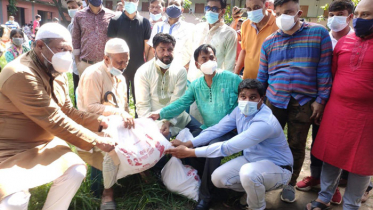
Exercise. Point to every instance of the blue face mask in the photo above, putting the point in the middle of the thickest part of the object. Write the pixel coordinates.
(255, 16)
(95, 3)
(248, 108)
(173, 11)
(363, 27)
(212, 17)
(155, 17)
(115, 72)
(130, 7)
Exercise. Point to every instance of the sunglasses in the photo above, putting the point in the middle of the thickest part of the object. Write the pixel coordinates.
(212, 9)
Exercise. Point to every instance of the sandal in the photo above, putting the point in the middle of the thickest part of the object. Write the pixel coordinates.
(316, 204)
(108, 206)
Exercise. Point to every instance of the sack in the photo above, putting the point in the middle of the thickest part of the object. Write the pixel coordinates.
(179, 178)
(138, 149)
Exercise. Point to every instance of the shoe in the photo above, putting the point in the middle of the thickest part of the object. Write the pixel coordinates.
(288, 194)
(202, 205)
(365, 197)
(337, 197)
(307, 183)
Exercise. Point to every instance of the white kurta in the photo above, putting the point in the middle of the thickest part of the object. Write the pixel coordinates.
(155, 90)
(220, 36)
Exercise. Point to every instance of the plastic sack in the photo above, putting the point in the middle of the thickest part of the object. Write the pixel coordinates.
(179, 178)
(138, 149)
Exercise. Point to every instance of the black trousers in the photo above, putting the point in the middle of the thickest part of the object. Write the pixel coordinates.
(76, 82)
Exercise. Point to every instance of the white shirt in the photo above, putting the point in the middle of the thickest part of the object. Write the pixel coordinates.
(182, 32)
(220, 36)
(334, 41)
(155, 90)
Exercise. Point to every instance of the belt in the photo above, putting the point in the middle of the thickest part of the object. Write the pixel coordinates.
(90, 62)
(289, 168)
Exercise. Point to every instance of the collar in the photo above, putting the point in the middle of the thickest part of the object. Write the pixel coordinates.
(305, 25)
(159, 70)
(177, 23)
(137, 16)
(217, 26)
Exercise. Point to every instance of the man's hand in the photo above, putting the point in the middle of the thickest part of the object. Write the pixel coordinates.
(317, 112)
(165, 129)
(105, 144)
(154, 116)
(237, 12)
(181, 152)
(177, 143)
(129, 122)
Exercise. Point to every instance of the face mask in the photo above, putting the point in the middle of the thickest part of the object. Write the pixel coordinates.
(209, 67)
(248, 108)
(212, 17)
(96, 3)
(155, 17)
(130, 7)
(363, 27)
(72, 12)
(285, 22)
(255, 16)
(11, 21)
(115, 72)
(173, 11)
(61, 61)
(337, 23)
(162, 65)
(17, 41)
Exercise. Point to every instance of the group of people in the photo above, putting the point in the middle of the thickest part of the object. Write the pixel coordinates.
(182, 75)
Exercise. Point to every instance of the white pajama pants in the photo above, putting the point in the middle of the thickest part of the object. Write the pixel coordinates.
(253, 177)
(60, 194)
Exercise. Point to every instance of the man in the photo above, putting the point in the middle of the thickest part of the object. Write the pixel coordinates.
(89, 34)
(55, 20)
(216, 96)
(295, 64)
(216, 33)
(102, 90)
(37, 118)
(36, 23)
(347, 144)
(179, 29)
(266, 163)
(160, 82)
(119, 7)
(156, 11)
(74, 6)
(135, 30)
(253, 32)
(11, 23)
(340, 16)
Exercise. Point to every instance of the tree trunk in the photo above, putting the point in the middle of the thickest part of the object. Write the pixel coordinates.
(60, 11)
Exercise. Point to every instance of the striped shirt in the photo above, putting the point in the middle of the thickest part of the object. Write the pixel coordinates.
(297, 66)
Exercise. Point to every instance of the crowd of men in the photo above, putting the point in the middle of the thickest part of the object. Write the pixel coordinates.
(234, 87)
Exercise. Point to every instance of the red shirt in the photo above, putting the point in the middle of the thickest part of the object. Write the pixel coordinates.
(36, 24)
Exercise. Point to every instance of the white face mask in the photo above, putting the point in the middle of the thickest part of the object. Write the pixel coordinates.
(61, 61)
(337, 23)
(155, 17)
(161, 64)
(209, 67)
(72, 12)
(286, 22)
(248, 108)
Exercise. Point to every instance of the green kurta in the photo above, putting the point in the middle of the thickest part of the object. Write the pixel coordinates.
(213, 103)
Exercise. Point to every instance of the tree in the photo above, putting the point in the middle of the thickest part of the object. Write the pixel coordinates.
(12, 8)
(61, 10)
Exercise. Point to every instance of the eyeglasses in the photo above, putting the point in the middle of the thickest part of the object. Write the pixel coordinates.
(212, 9)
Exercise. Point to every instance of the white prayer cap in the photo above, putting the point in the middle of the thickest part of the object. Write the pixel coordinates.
(53, 31)
(116, 45)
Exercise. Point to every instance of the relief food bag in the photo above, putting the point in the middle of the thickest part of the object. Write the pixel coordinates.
(138, 148)
(179, 178)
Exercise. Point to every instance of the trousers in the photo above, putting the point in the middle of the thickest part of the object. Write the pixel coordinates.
(60, 194)
(255, 178)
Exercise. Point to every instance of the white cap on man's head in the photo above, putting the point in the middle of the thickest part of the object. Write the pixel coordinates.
(53, 31)
(116, 45)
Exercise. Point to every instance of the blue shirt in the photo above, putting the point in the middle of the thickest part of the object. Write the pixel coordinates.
(259, 136)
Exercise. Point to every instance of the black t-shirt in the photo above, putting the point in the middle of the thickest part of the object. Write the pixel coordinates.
(134, 32)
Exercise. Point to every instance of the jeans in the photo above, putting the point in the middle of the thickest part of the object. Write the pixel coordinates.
(356, 186)
(206, 166)
(255, 178)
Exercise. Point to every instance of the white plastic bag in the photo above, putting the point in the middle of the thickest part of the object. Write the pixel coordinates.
(181, 178)
(139, 148)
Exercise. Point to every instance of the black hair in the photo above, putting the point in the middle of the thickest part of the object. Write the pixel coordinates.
(16, 31)
(162, 2)
(240, 20)
(203, 48)
(163, 38)
(340, 5)
(37, 16)
(252, 84)
(281, 2)
(2, 29)
(181, 3)
(78, 2)
(223, 3)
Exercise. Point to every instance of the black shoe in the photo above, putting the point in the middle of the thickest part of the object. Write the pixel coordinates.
(202, 205)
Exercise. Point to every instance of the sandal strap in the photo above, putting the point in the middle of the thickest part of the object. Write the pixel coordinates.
(316, 204)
